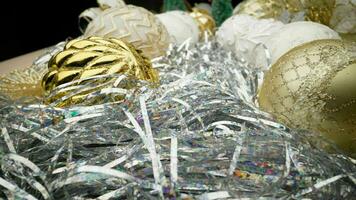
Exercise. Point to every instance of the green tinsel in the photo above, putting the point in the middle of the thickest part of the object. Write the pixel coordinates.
(174, 5)
(221, 10)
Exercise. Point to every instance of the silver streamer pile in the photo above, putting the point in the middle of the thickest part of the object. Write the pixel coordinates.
(198, 136)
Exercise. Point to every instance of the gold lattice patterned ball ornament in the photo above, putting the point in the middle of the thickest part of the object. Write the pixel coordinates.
(131, 24)
(312, 10)
(349, 37)
(313, 86)
(83, 59)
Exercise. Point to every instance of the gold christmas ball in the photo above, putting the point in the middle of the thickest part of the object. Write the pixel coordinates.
(82, 59)
(314, 10)
(348, 37)
(205, 21)
(22, 83)
(134, 25)
(313, 86)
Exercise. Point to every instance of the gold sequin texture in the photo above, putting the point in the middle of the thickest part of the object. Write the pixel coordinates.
(85, 58)
(314, 10)
(206, 22)
(313, 87)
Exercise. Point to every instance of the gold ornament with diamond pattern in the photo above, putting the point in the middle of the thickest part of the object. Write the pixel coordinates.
(82, 59)
(313, 86)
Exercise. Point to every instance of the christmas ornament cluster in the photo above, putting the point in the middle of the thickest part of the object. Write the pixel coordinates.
(203, 102)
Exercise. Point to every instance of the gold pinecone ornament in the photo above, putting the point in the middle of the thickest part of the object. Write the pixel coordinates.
(83, 60)
(313, 87)
(131, 24)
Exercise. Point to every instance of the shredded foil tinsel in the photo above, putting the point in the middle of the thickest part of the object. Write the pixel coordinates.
(200, 135)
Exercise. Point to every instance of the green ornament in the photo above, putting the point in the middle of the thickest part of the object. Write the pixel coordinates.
(221, 9)
(169, 5)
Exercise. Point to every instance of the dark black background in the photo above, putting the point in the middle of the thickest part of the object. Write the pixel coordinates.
(30, 25)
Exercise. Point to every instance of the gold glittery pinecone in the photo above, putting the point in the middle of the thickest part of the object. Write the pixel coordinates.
(82, 59)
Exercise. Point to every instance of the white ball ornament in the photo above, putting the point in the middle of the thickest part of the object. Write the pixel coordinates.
(204, 6)
(131, 24)
(295, 34)
(247, 36)
(105, 4)
(180, 26)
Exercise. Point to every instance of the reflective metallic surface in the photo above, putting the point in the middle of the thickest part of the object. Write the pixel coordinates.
(198, 135)
(82, 59)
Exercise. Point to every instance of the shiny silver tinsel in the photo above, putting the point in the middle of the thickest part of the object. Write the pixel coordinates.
(199, 135)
